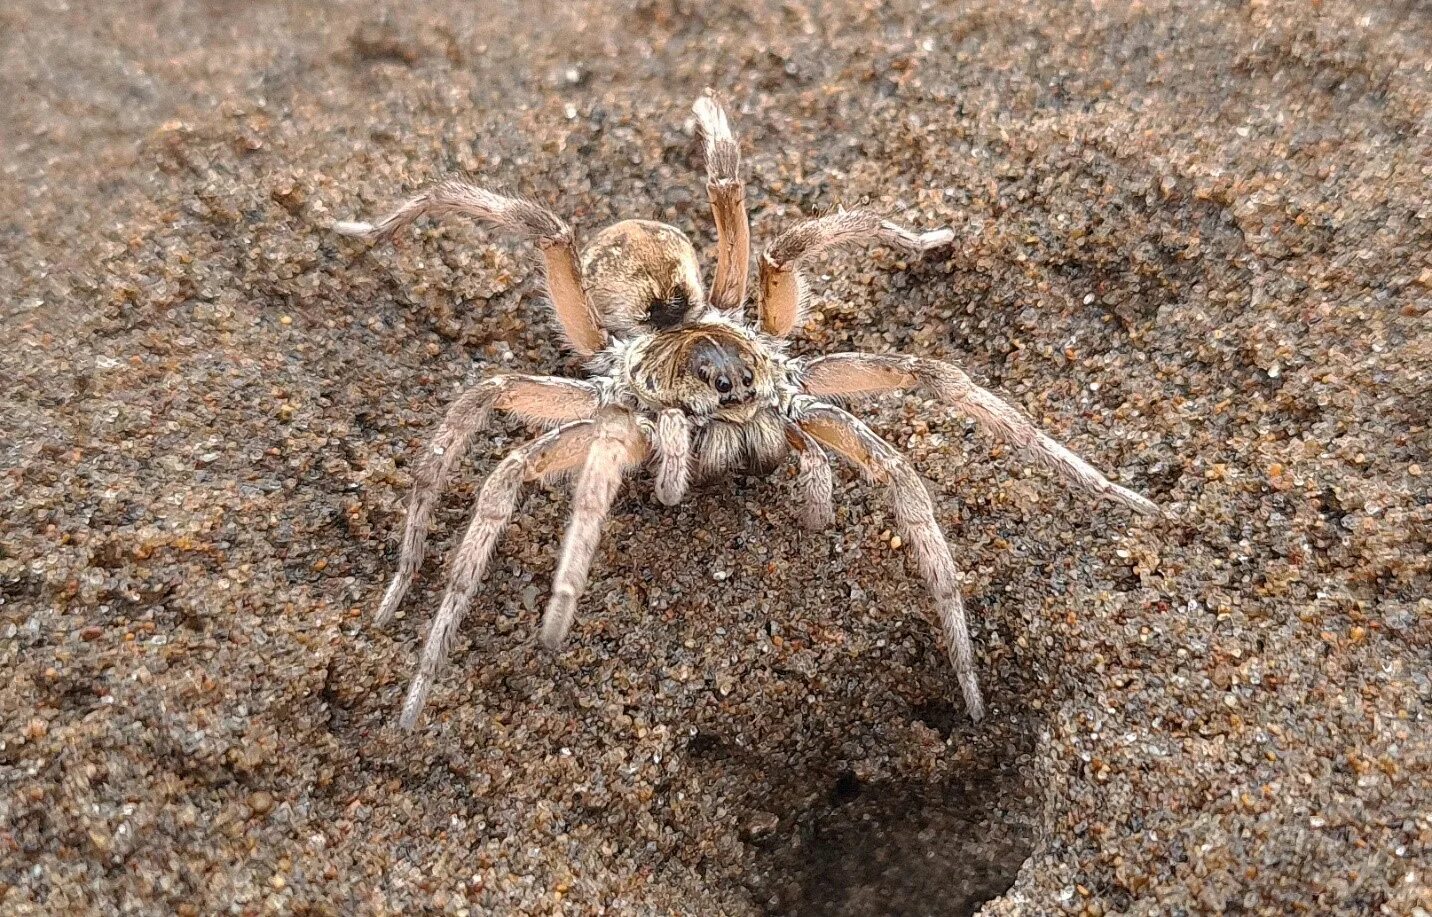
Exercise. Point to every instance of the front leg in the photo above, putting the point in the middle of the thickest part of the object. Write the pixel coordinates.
(728, 204)
(847, 374)
(527, 220)
(783, 289)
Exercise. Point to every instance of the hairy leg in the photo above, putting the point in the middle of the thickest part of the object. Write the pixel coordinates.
(848, 374)
(530, 221)
(728, 204)
(533, 398)
(915, 516)
(548, 456)
(617, 445)
(672, 447)
(783, 290)
(813, 481)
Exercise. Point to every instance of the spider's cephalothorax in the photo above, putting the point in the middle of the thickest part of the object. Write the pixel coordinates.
(719, 380)
(684, 384)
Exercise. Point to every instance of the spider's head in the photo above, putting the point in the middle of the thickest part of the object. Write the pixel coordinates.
(642, 277)
(708, 369)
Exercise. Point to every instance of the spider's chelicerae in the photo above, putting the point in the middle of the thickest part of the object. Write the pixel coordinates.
(683, 383)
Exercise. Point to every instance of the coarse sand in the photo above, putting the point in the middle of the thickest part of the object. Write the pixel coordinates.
(1194, 242)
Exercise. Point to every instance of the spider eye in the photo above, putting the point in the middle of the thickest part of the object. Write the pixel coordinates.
(723, 385)
(747, 378)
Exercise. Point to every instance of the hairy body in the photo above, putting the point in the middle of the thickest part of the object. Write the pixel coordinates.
(687, 385)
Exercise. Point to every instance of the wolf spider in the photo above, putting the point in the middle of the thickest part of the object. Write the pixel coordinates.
(682, 382)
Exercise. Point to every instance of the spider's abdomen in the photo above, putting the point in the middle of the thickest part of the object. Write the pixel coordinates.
(642, 276)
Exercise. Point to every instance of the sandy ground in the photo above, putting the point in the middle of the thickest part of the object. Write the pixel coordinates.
(1193, 243)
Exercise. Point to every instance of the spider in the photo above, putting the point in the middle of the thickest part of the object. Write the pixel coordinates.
(683, 383)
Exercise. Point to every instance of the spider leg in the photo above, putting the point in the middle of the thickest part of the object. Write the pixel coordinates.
(915, 515)
(672, 447)
(534, 398)
(550, 455)
(847, 374)
(813, 481)
(617, 445)
(728, 204)
(783, 288)
(528, 220)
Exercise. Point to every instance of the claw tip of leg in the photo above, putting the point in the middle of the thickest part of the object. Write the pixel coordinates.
(1137, 502)
(1150, 508)
(557, 620)
(355, 228)
(552, 634)
(408, 719)
(974, 700)
(938, 237)
(668, 498)
(389, 606)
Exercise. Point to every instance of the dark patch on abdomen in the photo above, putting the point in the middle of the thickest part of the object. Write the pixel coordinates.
(669, 312)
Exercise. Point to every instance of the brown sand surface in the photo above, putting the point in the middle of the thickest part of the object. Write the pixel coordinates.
(1194, 243)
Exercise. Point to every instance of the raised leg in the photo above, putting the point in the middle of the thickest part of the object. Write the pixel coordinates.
(915, 516)
(783, 292)
(813, 481)
(728, 204)
(847, 374)
(548, 456)
(617, 445)
(672, 448)
(534, 398)
(535, 223)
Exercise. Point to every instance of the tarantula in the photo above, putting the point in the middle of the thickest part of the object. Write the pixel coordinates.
(683, 383)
